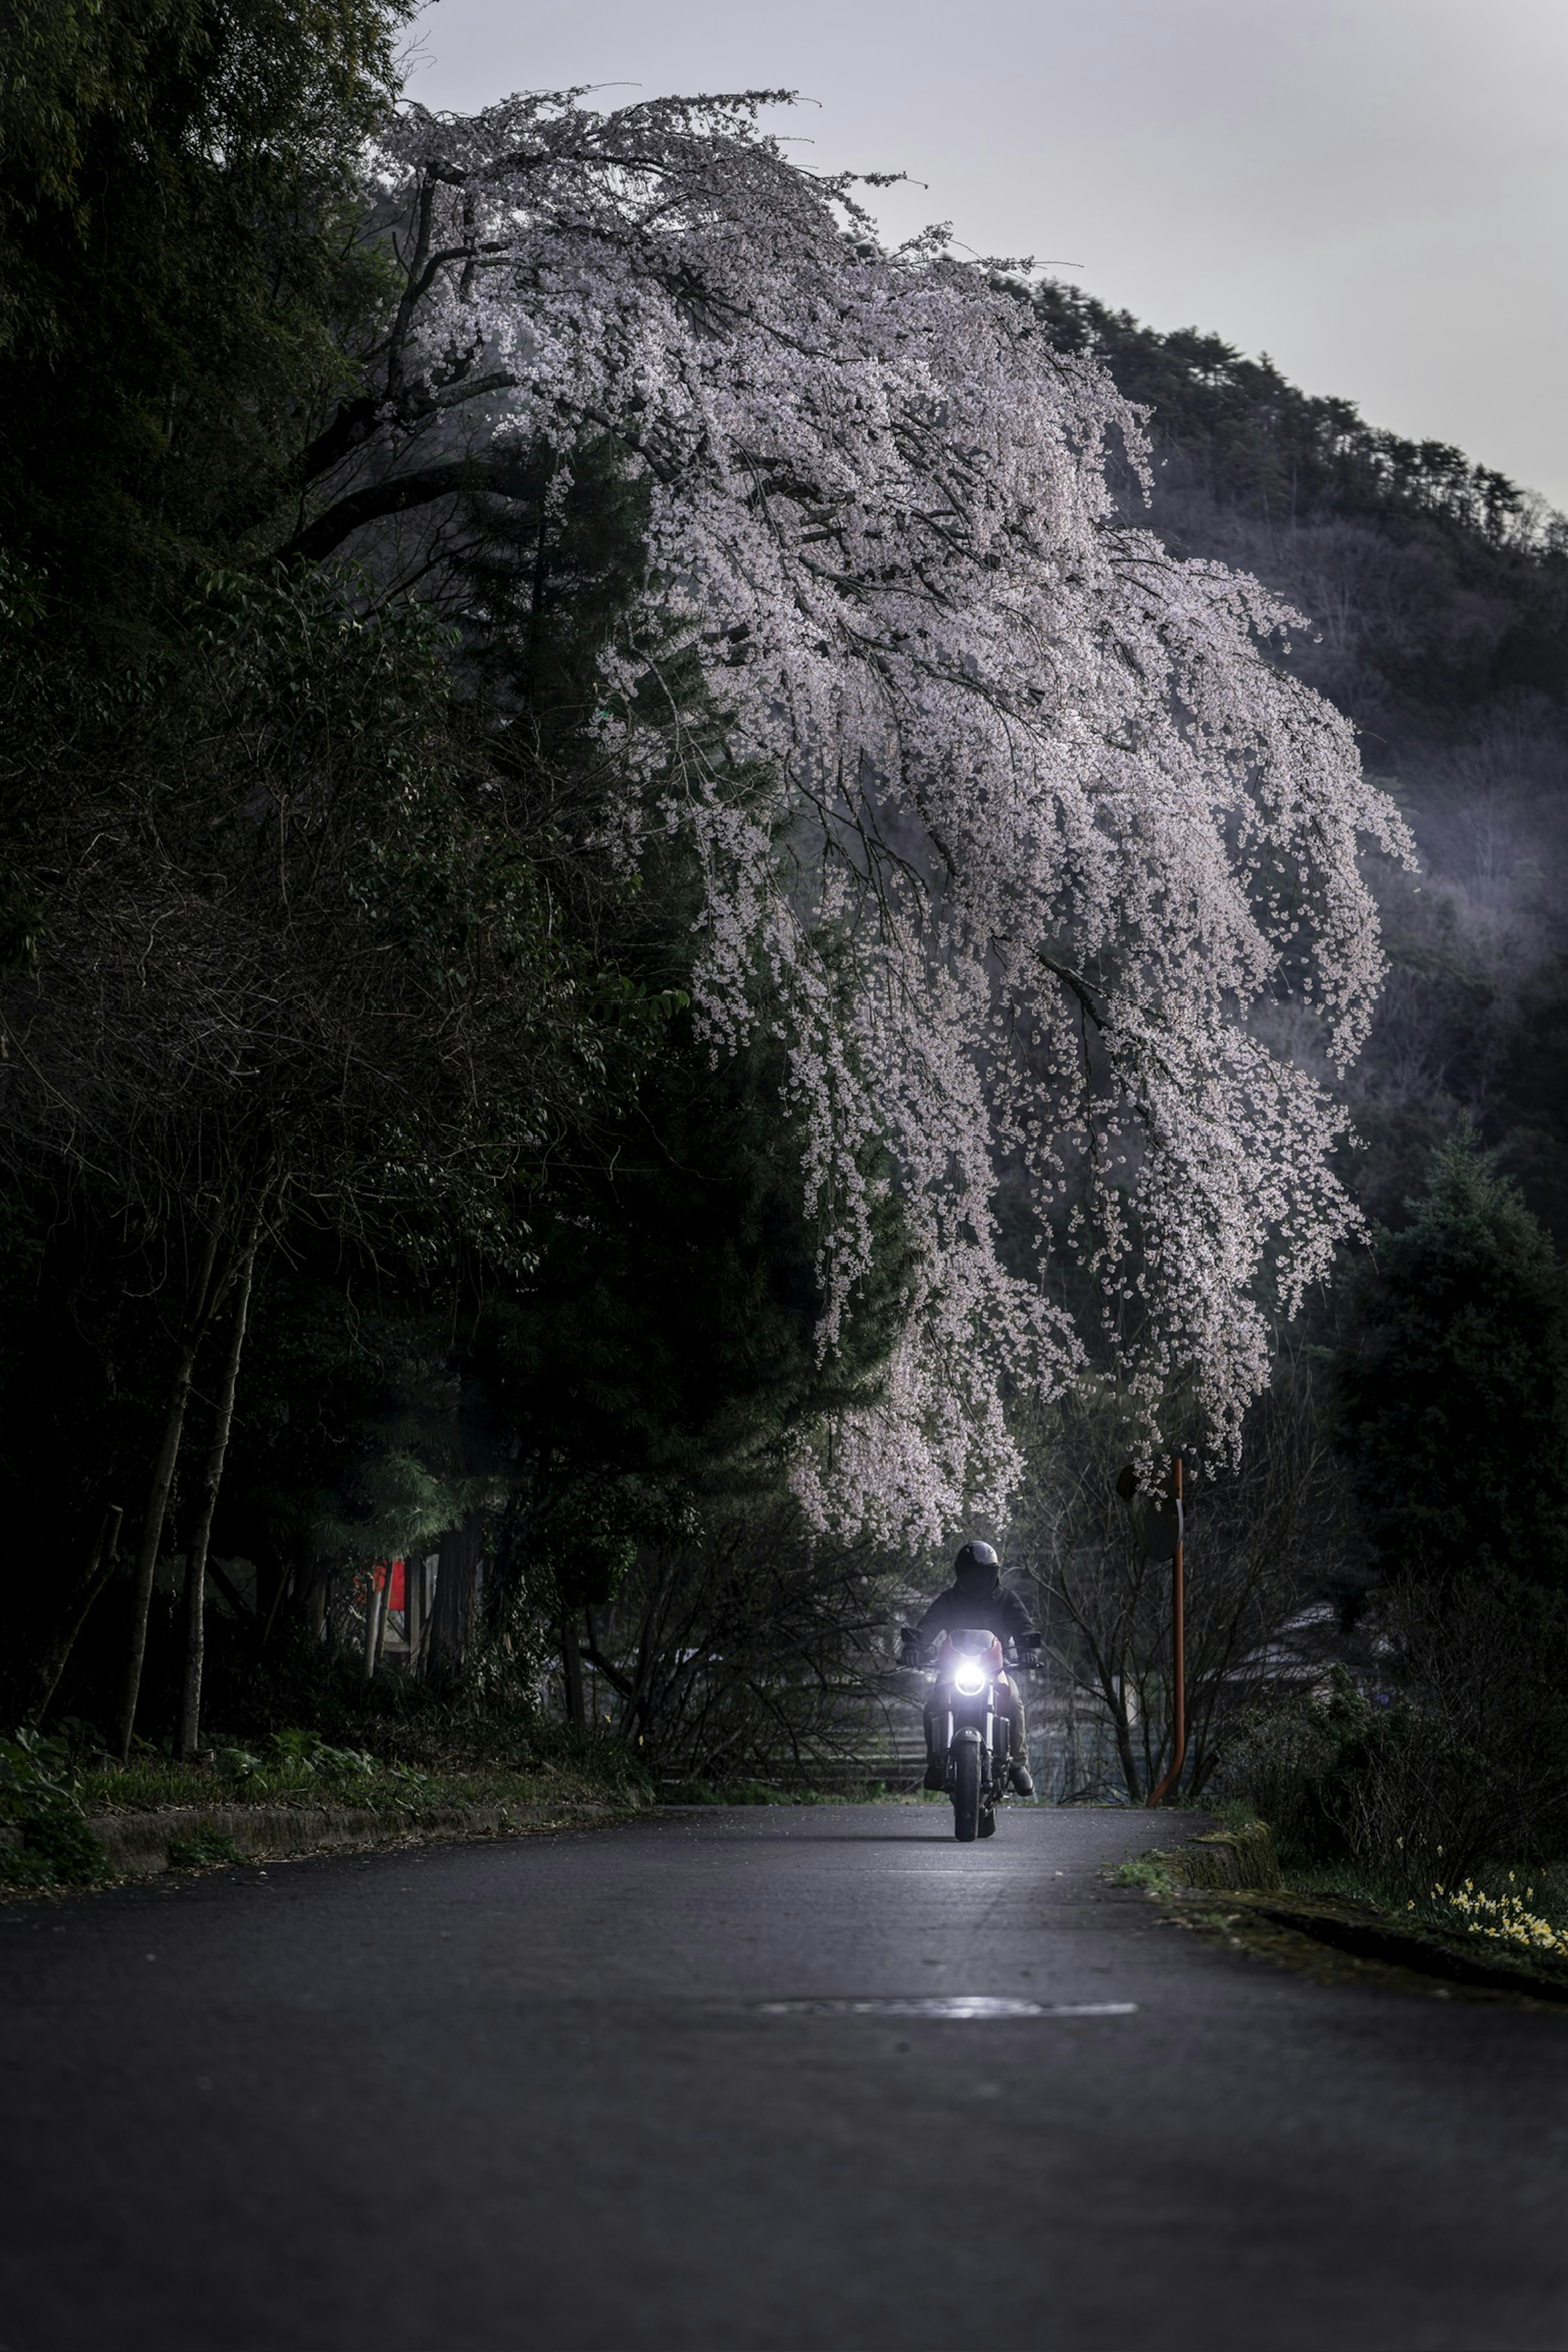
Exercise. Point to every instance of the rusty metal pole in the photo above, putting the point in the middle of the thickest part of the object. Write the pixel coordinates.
(1178, 1645)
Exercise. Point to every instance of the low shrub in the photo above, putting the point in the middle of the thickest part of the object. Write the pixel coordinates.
(202, 1850)
(298, 1758)
(58, 1849)
(40, 1791)
(20, 1866)
(1459, 1758)
(37, 1774)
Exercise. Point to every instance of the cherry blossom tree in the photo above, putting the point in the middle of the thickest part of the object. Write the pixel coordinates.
(1045, 866)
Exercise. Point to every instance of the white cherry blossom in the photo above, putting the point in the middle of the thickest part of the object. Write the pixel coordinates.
(1050, 866)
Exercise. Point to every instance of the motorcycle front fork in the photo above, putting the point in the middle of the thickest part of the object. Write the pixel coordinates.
(998, 1732)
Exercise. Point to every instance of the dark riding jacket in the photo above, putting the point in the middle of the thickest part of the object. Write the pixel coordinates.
(1000, 1611)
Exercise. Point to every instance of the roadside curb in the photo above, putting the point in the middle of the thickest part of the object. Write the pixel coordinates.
(1329, 1936)
(1364, 1934)
(1243, 1858)
(147, 1844)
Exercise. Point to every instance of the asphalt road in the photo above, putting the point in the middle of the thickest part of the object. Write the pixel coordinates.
(531, 2094)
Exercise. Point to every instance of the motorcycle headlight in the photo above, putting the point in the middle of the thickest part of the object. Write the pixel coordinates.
(970, 1678)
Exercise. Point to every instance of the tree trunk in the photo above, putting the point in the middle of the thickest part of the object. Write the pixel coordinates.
(196, 1319)
(414, 1608)
(457, 1579)
(1121, 1724)
(374, 1619)
(284, 1590)
(572, 1673)
(196, 1560)
(105, 1560)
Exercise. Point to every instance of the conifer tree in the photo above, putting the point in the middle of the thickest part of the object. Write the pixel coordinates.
(1453, 1375)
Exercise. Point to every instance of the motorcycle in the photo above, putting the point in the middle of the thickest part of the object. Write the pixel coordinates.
(969, 1663)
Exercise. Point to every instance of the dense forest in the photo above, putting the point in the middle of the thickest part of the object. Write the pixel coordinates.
(563, 1136)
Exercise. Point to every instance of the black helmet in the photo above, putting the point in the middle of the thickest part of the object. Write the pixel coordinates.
(975, 1568)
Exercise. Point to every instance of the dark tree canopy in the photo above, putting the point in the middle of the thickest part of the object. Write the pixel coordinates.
(178, 181)
(1452, 1376)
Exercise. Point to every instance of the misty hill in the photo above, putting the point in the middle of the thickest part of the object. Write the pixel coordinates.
(1438, 593)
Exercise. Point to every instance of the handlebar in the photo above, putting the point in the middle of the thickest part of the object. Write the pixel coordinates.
(914, 1653)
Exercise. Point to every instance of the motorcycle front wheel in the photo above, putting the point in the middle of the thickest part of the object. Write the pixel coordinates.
(966, 1792)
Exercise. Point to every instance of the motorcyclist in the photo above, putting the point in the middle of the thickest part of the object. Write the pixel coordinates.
(975, 1598)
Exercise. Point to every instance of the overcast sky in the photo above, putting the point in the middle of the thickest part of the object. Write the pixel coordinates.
(1373, 192)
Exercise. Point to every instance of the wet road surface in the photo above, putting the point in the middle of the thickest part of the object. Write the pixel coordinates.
(575, 2093)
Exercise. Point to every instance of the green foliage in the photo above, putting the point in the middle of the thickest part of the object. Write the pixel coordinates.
(1266, 444)
(23, 1866)
(202, 1850)
(341, 904)
(1452, 1371)
(292, 804)
(58, 1849)
(409, 1745)
(360, 1438)
(1459, 1758)
(41, 1792)
(546, 583)
(669, 1330)
(38, 1775)
(1298, 1760)
(296, 1759)
(537, 1255)
(1151, 1875)
(176, 178)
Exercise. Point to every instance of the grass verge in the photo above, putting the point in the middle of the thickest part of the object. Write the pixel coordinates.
(1335, 1926)
(70, 1819)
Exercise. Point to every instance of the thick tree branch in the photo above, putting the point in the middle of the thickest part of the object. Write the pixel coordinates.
(499, 476)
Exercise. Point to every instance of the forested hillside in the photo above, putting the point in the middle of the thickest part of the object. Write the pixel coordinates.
(1436, 593)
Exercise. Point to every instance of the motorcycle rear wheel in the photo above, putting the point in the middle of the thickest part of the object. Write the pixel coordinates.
(987, 1821)
(966, 1792)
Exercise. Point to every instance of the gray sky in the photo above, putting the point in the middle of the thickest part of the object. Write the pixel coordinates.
(1373, 192)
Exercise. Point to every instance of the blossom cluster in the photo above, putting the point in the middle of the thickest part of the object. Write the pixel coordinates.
(1045, 864)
